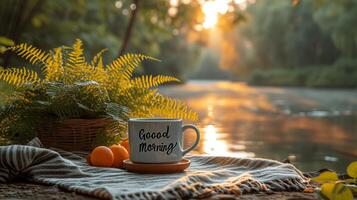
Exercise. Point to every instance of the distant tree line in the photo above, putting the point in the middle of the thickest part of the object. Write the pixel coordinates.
(309, 43)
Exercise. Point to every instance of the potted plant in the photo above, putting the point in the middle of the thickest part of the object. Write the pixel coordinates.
(74, 104)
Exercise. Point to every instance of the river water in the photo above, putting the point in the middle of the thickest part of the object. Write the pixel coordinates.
(314, 128)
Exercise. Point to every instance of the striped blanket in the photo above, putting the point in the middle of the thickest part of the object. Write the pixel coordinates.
(207, 175)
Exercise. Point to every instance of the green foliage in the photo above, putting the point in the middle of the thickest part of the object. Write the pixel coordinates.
(277, 77)
(32, 54)
(19, 76)
(150, 81)
(102, 24)
(70, 87)
(280, 35)
(310, 43)
(338, 18)
(4, 42)
(334, 189)
(333, 77)
(341, 74)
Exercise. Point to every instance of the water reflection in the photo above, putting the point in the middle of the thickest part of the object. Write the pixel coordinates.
(316, 127)
(211, 144)
(215, 144)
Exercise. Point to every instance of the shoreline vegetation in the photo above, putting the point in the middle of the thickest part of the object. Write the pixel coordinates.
(342, 74)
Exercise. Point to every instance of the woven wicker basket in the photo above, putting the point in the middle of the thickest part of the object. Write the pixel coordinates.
(72, 134)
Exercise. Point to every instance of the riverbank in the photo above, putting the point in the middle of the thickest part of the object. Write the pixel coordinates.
(317, 77)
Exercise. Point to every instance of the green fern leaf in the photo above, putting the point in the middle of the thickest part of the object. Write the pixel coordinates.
(32, 54)
(98, 58)
(54, 71)
(76, 69)
(76, 56)
(125, 65)
(150, 81)
(172, 108)
(19, 76)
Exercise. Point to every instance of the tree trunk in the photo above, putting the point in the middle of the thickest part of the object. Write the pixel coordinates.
(129, 28)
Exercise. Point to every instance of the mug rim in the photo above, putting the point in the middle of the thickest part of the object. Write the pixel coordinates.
(154, 119)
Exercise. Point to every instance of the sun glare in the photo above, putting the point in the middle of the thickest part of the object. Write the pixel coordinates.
(213, 8)
(211, 144)
(211, 14)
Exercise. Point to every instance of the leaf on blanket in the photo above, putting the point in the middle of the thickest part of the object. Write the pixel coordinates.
(325, 177)
(352, 169)
(326, 189)
(336, 191)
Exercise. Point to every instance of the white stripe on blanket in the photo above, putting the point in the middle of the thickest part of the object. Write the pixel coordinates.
(207, 175)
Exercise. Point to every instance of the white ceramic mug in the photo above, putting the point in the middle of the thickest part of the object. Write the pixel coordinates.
(158, 140)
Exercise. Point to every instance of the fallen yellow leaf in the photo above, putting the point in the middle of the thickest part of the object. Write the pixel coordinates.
(352, 169)
(341, 192)
(325, 177)
(327, 189)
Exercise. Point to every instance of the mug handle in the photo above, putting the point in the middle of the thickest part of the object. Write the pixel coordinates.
(188, 126)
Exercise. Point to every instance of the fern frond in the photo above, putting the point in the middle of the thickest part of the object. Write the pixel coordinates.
(76, 56)
(98, 58)
(125, 65)
(19, 76)
(83, 99)
(54, 70)
(150, 81)
(31, 53)
(172, 108)
(149, 103)
(77, 69)
(136, 99)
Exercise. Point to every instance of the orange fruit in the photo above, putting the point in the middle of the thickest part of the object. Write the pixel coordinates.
(102, 157)
(125, 144)
(120, 154)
